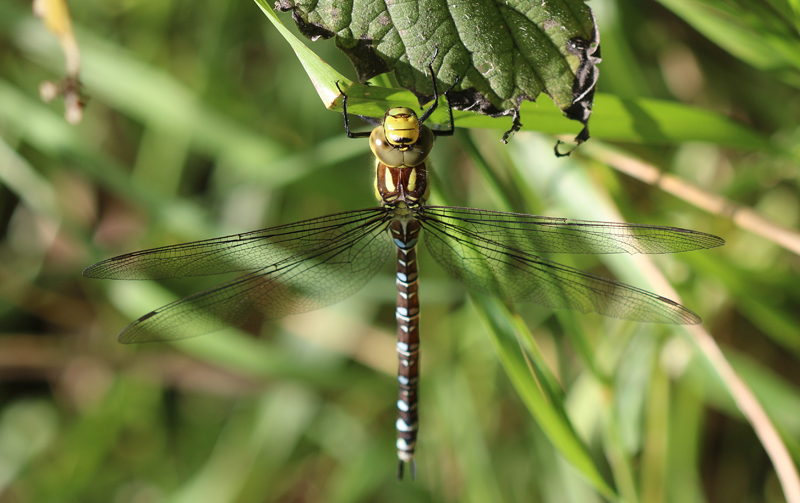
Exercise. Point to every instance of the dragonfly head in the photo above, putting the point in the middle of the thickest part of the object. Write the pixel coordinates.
(401, 140)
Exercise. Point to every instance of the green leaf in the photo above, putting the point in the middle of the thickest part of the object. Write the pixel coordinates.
(502, 52)
(652, 121)
(533, 382)
(765, 36)
(322, 75)
(646, 121)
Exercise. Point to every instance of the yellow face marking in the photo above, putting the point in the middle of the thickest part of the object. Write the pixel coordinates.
(388, 181)
(401, 126)
(412, 180)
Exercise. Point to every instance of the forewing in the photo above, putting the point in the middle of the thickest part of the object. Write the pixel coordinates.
(485, 263)
(329, 264)
(250, 251)
(534, 234)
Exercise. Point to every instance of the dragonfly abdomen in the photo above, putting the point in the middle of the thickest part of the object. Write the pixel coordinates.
(405, 236)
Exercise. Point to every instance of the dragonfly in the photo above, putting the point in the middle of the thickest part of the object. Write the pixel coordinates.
(303, 266)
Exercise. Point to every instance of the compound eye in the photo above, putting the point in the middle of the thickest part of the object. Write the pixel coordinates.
(418, 152)
(383, 150)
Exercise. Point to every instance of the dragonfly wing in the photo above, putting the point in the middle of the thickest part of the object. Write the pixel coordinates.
(335, 263)
(534, 234)
(250, 251)
(487, 265)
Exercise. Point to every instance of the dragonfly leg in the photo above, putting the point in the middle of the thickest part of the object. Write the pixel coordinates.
(448, 132)
(432, 108)
(350, 134)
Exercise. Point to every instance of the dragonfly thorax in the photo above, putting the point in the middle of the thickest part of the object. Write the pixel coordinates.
(401, 140)
(401, 187)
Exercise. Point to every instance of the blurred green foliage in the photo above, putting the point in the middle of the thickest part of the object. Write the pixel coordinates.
(201, 122)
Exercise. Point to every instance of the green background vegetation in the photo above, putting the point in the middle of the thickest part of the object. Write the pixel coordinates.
(202, 122)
